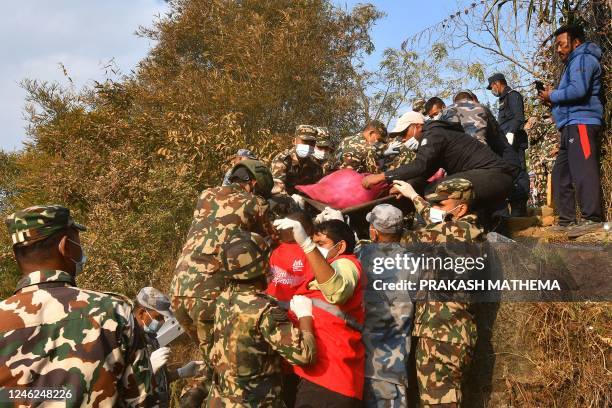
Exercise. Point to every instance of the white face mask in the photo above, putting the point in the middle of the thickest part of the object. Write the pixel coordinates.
(79, 265)
(437, 116)
(325, 251)
(437, 215)
(412, 144)
(320, 154)
(303, 150)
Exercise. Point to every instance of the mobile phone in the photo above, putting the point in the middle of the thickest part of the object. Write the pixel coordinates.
(539, 85)
(169, 331)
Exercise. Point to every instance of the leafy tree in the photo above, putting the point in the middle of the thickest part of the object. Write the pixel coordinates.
(130, 157)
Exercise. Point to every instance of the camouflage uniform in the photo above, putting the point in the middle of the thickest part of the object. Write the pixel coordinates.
(323, 140)
(252, 333)
(543, 139)
(446, 330)
(471, 115)
(355, 153)
(151, 298)
(220, 212)
(289, 170)
(404, 156)
(54, 335)
(388, 318)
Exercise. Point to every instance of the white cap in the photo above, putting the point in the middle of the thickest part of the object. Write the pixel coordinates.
(406, 120)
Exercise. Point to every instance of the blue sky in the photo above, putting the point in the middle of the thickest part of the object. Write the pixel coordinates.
(84, 35)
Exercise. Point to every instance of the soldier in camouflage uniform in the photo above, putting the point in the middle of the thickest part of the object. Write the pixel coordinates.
(55, 335)
(361, 152)
(388, 318)
(252, 333)
(152, 310)
(220, 212)
(446, 331)
(323, 152)
(297, 165)
(543, 148)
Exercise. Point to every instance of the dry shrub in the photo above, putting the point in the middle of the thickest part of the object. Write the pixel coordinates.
(552, 355)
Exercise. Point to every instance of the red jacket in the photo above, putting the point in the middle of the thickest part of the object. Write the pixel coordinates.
(340, 351)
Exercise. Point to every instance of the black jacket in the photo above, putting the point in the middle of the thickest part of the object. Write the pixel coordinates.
(511, 116)
(445, 145)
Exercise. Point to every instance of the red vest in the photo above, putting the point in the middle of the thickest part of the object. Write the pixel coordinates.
(289, 268)
(340, 351)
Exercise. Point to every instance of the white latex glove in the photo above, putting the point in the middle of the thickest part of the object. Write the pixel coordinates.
(159, 358)
(301, 306)
(327, 214)
(510, 137)
(405, 189)
(299, 200)
(392, 148)
(191, 369)
(299, 234)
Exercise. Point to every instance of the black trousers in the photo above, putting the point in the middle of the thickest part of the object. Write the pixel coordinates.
(520, 188)
(576, 174)
(311, 395)
(491, 186)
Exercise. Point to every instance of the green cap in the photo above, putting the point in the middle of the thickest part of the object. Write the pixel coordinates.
(459, 189)
(306, 132)
(39, 222)
(323, 139)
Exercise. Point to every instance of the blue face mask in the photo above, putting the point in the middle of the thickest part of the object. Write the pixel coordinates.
(154, 326)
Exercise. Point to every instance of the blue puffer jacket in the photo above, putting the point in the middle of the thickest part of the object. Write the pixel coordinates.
(576, 100)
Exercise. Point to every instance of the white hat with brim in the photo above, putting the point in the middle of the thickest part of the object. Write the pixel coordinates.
(408, 119)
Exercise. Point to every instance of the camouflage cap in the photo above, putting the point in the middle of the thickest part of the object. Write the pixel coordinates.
(152, 298)
(459, 189)
(306, 132)
(39, 222)
(245, 256)
(386, 218)
(323, 139)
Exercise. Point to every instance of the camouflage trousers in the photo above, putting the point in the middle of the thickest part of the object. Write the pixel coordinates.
(194, 315)
(439, 369)
(197, 317)
(383, 394)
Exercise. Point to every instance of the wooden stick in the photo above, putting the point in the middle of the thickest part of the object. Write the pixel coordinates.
(549, 200)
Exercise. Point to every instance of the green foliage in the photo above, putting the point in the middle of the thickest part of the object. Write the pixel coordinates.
(130, 157)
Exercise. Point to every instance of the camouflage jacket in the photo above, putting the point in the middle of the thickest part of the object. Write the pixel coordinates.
(404, 156)
(462, 230)
(389, 313)
(220, 212)
(355, 153)
(450, 322)
(472, 116)
(328, 165)
(160, 397)
(251, 336)
(288, 171)
(54, 335)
